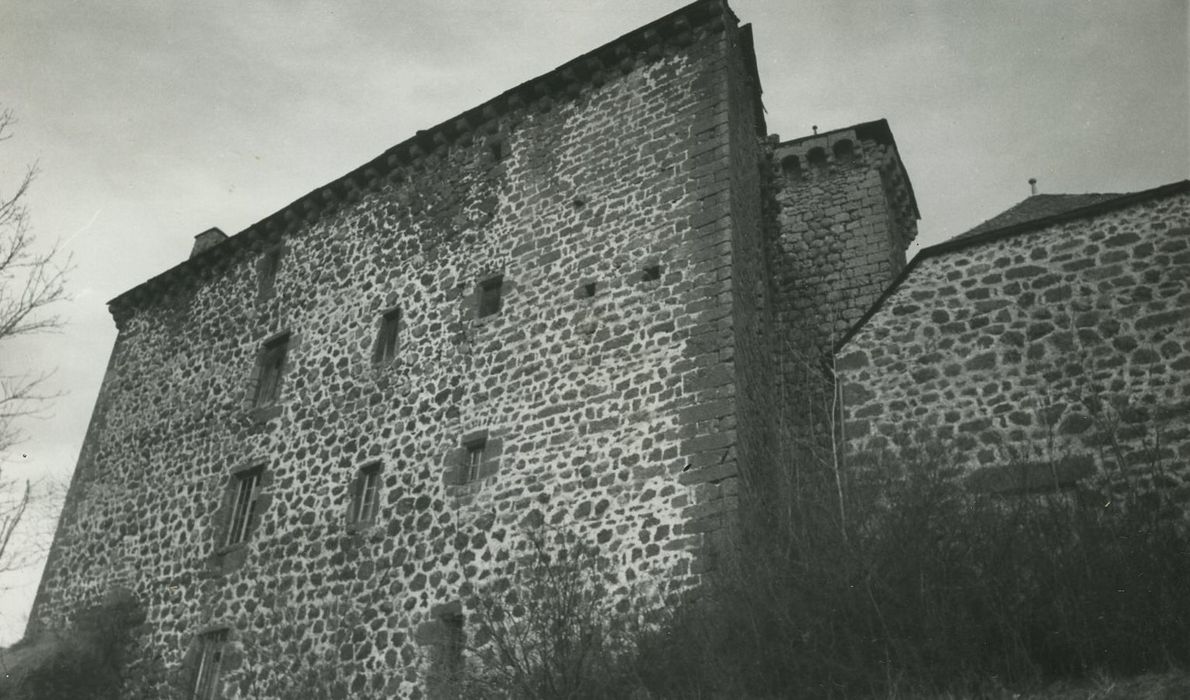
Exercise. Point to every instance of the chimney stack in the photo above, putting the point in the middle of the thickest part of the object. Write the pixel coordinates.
(206, 240)
(1032, 186)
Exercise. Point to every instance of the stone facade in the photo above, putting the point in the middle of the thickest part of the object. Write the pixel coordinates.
(604, 306)
(550, 314)
(1039, 353)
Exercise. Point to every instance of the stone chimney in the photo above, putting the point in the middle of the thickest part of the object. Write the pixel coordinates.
(206, 240)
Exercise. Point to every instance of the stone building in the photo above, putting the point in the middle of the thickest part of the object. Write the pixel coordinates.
(603, 306)
(563, 311)
(1045, 345)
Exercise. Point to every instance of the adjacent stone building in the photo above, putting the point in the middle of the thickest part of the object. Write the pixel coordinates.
(605, 307)
(562, 312)
(1045, 345)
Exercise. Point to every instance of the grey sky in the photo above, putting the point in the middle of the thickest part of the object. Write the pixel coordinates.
(154, 120)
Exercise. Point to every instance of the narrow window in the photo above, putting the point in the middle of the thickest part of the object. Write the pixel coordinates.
(271, 367)
(367, 494)
(388, 339)
(652, 273)
(489, 296)
(267, 273)
(206, 680)
(247, 491)
(475, 454)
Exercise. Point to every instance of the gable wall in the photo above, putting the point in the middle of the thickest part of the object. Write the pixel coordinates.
(595, 406)
(1036, 348)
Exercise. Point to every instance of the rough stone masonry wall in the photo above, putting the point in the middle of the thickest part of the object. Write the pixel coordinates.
(594, 405)
(839, 233)
(1036, 349)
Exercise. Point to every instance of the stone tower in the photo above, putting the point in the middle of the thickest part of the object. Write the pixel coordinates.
(561, 310)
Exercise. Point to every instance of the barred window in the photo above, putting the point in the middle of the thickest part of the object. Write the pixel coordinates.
(475, 455)
(367, 494)
(247, 492)
(210, 660)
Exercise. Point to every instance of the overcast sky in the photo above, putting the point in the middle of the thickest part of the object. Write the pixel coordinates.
(153, 120)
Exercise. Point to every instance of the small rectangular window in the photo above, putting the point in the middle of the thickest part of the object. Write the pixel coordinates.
(210, 660)
(270, 369)
(489, 296)
(270, 264)
(247, 492)
(367, 494)
(475, 455)
(388, 338)
(652, 273)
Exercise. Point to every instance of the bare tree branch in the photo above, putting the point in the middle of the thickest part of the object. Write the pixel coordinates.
(32, 279)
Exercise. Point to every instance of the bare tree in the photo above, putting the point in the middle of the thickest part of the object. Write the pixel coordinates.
(32, 278)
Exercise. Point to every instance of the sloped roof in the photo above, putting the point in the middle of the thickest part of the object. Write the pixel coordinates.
(1039, 206)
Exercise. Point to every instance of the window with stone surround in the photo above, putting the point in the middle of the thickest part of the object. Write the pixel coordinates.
(246, 485)
(490, 294)
(270, 369)
(365, 498)
(211, 649)
(389, 336)
(476, 458)
(475, 454)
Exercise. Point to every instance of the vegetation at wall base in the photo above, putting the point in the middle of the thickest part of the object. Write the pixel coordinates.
(928, 588)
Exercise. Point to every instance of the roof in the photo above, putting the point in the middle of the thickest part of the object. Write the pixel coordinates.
(1049, 210)
(1039, 206)
(620, 55)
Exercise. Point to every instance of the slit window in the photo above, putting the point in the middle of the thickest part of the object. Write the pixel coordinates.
(212, 646)
(367, 495)
(388, 338)
(490, 296)
(247, 493)
(271, 367)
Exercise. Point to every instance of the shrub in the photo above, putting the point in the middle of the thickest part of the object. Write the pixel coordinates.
(926, 586)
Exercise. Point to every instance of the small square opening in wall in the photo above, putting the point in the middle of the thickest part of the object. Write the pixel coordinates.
(652, 273)
(490, 296)
(585, 290)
